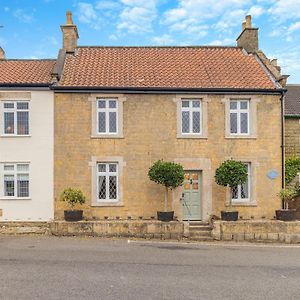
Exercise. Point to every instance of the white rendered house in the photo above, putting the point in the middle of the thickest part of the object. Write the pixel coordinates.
(26, 140)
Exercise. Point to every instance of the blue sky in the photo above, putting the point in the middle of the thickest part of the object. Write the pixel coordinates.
(31, 28)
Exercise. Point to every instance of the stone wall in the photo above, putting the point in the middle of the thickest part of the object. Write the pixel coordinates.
(256, 231)
(150, 133)
(292, 136)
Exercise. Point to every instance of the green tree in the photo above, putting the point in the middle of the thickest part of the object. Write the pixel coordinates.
(168, 174)
(72, 197)
(231, 173)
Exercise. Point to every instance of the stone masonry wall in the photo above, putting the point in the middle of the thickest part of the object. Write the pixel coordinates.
(292, 137)
(150, 126)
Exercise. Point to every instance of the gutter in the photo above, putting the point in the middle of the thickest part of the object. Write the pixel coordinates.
(152, 90)
(292, 116)
(282, 98)
(22, 86)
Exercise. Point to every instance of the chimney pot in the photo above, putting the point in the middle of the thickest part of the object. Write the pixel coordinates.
(248, 21)
(69, 18)
(243, 26)
(2, 53)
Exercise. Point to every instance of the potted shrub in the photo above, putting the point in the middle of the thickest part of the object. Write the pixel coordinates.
(287, 195)
(170, 175)
(231, 173)
(73, 197)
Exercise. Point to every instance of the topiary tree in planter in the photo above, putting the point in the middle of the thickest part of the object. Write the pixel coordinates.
(170, 175)
(287, 195)
(231, 173)
(73, 197)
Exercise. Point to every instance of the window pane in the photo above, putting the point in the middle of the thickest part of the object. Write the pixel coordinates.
(102, 187)
(185, 122)
(23, 167)
(112, 104)
(112, 122)
(233, 105)
(102, 122)
(244, 123)
(101, 167)
(23, 185)
(233, 123)
(22, 122)
(9, 123)
(244, 190)
(101, 104)
(196, 103)
(22, 105)
(9, 185)
(235, 193)
(112, 187)
(196, 122)
(9, 105)
(9, 167)
(244, 104)
(112, 168)
(185, 103)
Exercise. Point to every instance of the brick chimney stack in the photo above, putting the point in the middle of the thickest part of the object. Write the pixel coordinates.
(70, 34)
(2, 53)
(248, 39)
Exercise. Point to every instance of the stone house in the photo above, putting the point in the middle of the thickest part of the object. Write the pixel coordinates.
(26, 139)
(292, 120)
(120, 109)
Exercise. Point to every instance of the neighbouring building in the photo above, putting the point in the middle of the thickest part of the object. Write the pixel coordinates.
(120, 109)
(26, 139)
(292, 120)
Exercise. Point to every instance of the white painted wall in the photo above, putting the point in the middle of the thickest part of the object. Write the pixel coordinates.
(38, 150)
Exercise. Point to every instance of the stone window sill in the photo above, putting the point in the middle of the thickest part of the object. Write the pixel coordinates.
(107, 136)
(244, 137)
(242, 204)
(190, 136)
(14, 198)
(107, 204)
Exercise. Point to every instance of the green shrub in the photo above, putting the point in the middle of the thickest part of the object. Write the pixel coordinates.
(231, 173)
(292, 167)
(73, 197)
(168, 174)
(287, 195)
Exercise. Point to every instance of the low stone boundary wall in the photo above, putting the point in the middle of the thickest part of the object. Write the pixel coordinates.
(138, 229)
(257, 230)
(24, 227)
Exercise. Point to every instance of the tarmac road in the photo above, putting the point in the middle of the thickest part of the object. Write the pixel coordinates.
(40, 267)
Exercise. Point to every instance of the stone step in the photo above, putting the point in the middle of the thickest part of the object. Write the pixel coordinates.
(198, 223)
(201, 238)
(200, 234)
(200, 228)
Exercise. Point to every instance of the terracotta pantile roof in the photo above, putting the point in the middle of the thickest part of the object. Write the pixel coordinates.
(164, 67)
(25, 71)
(292, 100)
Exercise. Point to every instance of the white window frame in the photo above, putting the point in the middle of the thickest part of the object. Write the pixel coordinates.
(15, 173)
(191, 109)
(107, 174)
(107, 110)
(239, 199)
(239, 111)
(15, 111)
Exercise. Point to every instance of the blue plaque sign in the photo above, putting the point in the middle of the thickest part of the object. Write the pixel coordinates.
(273, 174)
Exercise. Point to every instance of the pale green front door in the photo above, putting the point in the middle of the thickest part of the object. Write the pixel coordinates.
(191, 203)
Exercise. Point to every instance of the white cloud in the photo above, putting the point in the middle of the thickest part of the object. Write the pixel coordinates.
(137, 16)
(86, 13)
(163, 40)
(22, 16)
(255, 11)
(285, 9)
(294, 27)
(107, 5)
(230, 20)
(224, 42)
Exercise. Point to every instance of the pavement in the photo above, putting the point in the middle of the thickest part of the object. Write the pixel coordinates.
(43, 267)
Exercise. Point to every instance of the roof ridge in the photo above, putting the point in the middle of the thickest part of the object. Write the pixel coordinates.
(168, 47)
